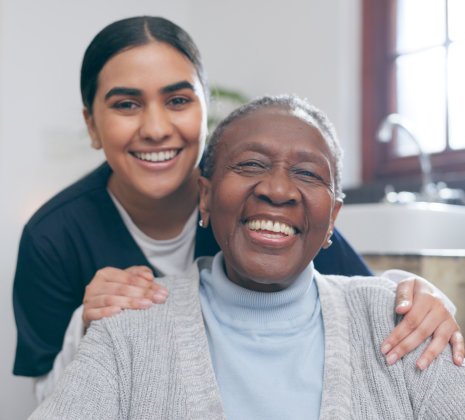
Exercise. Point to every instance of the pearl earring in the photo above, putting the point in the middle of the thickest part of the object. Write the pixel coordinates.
(329, 242)
(201, 223)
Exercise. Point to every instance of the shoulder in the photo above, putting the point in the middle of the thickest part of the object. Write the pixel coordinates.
(182, 302)
(77, 195)
(356, 287)
(365, 301)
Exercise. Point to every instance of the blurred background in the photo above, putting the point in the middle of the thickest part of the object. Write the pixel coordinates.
(355, 59)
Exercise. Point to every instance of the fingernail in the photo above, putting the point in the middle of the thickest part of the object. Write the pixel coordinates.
(159, 297)
(421, 363)
(163, 292)
(459, 358)
(403, 304)
(145, 302)
(385, 348)
(392, 358)
(115, 310)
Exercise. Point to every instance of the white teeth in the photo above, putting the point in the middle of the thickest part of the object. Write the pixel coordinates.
(271, 226)
(156, 156)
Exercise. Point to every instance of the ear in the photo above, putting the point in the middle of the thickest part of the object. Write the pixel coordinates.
(334, 213)
(91, 129)
(205, 200)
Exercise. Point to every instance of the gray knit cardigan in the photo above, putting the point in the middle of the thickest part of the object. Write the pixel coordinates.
(155, 363)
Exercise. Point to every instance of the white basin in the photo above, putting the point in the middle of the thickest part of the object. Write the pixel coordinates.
(403, 228)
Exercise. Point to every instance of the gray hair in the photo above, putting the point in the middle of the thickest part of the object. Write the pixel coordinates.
(303, 109)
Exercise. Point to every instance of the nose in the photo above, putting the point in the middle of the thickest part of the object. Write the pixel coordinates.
(278, 188)
(155, 124)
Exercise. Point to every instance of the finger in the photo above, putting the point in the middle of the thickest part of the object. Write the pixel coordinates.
(404, 295)
(438, 343)
(99, 313)
(458, 348)
(411, 321)
(139, 276)
(152, 291)
(123, 302)
(418, 336)
(141, 270)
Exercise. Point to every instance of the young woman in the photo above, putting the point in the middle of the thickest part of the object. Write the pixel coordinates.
(101, 241)
(256, 332)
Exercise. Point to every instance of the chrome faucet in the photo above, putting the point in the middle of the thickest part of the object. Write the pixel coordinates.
(429, 190)
(384, 135)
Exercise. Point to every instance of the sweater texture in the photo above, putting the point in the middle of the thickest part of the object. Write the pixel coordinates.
(155, 363)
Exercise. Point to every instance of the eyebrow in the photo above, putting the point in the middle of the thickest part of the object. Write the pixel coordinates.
(138, 92)
(122, 91)
(177, 86)
(260, 148)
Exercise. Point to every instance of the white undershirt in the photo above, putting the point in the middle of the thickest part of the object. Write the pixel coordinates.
(169, 256)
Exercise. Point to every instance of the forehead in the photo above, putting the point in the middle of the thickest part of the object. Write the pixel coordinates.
(275, 127)
(153, 62)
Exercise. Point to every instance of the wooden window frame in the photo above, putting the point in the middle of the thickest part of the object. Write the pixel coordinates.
(378, 18)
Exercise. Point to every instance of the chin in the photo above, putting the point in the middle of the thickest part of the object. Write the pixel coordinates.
(268, 280)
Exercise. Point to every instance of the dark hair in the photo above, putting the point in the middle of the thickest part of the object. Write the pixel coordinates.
(303, 109)
(128, 33)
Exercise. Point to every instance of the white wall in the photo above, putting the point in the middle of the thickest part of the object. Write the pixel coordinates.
(308, 47)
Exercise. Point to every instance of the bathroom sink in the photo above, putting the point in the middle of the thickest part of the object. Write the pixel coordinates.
(385, 228)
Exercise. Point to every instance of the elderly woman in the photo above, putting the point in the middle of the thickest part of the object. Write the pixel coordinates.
(256, 332)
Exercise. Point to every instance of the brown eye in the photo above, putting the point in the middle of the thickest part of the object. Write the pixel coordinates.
(179, 101)
(307, 174)
(125, 105)
(249, 167)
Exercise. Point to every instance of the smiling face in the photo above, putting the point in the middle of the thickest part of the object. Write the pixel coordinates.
(270, 199)
(149, 116)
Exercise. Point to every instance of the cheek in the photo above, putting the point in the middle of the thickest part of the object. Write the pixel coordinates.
(192, 126)
(318, 208)
(115, 131)
(226, 208)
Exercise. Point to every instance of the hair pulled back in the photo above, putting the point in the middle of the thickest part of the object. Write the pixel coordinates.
(301, 107)
(129, 33)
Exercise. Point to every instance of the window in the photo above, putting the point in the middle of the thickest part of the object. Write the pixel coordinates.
(414, 65)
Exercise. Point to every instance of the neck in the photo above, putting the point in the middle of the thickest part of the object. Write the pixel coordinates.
(159, 218)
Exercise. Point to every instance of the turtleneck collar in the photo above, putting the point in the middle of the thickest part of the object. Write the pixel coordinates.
(238, 307)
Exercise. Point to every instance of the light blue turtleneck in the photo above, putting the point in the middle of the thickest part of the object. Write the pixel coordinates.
(267, 349)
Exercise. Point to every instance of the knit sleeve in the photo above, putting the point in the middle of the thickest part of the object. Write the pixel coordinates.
(439, 390)
(447, 401)
(402, 390)
(88, 388)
